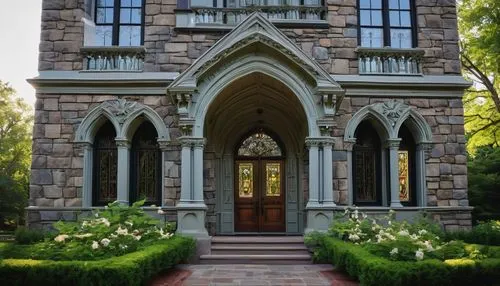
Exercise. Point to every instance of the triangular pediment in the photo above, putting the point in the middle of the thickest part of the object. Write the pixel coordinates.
(255, 29)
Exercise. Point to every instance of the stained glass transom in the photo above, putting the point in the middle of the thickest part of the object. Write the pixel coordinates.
(404, 182)
(273, 180)
(259, 145)
(245, 173)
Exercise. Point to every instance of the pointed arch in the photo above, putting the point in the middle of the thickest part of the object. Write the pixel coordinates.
(91, 123)
(380, 123)
(418, 126)
(141, 114)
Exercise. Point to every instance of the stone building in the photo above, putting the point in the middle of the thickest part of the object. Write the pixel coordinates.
(250, 116)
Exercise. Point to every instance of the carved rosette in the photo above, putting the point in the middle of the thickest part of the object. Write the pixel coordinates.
(392, 110)
(120, 108)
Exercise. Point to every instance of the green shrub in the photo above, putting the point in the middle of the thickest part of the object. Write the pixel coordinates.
(374, 270)
(135, 268)
(28, 236)
(487, 233)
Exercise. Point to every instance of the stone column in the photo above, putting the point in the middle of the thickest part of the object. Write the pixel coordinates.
(163, 144)
(314, 170)
(186, 195)
(198, 144)
(348, 145)
(393, 146)
(328, 172)
(123, 180)
(421, 182)
(87, 174)
(191, 208)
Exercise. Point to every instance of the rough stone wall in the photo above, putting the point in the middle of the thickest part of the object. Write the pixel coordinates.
(57, 163)
(173, 50)
(447, 163)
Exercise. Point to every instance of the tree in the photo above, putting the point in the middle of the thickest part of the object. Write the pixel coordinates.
(479, 27)
(484, 183)
(15, 155)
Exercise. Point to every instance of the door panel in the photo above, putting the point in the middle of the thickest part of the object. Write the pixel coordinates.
(259, 204)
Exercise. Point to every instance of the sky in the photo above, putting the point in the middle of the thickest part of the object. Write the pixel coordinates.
(19, 39)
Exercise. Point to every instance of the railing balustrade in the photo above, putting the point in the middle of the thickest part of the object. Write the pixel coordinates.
(114, 58)
(389, 61)
(233, 16)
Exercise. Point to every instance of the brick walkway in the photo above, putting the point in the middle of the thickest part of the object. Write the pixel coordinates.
(253, 275)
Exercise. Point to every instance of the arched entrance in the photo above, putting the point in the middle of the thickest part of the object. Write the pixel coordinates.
(259, 197)
(256, 129)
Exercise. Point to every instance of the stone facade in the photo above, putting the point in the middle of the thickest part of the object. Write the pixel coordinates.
(57, 176)
(172, 50)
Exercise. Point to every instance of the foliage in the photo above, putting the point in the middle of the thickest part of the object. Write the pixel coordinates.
(398, 241)
(486, 233)
(484, 183)
(131, 269)
(314, 240)
(371, 269)
(114, 231)
(28, 236)
(479, 27)
(15, 156)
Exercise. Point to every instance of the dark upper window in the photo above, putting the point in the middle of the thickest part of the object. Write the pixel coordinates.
(119, 22)
(386, 23)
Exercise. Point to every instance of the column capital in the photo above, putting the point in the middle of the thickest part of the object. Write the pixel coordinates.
(349, 144)
(426, 147)
(83, 145)
(392, 143)
(319, 141)
(122, 143)
(163, 144)
(195, 142)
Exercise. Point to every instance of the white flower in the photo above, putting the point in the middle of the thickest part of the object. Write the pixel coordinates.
(428, 245)
(105, 242)
(364, 215)
(404, 233)
(414, 237)
(61, 237)
(394, 251)
(96, 215)
(160, 211)
(419, 254)
(129, 223)
(85, 235)
(422, 232)
(95, 245)
(105, 222)
(123, 246)
(353, 237)
(106, 207)
(122, 231)
(137, 237)
(346, 211)
(389, 223)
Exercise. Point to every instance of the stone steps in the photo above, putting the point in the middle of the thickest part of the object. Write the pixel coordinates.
(257, 250)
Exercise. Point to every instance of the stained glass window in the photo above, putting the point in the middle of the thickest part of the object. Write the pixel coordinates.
(273, 180)
(105, 165)
(145, 165)
(404, 182)
(259, 145)
(245, 174)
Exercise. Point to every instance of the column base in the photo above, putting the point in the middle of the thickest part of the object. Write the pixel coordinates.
(319, 219)
(191, 220)
(396, 204)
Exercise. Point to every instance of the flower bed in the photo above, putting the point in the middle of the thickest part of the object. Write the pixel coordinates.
(119, 245)
(387, 252)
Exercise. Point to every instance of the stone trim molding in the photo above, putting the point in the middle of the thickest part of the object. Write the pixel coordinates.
(126, 117)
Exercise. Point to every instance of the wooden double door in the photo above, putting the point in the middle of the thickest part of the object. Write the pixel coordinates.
(259, 195)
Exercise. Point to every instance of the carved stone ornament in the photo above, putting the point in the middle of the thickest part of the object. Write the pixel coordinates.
(329, 101)
(392, 110)
(120, 108)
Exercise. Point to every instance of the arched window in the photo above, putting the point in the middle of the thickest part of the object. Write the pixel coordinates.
(105, 166)
(145, 166)
(407, 168)
(259, 145)
(367, 166)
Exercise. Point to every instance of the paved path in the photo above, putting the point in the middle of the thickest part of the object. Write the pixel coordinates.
(254, 275)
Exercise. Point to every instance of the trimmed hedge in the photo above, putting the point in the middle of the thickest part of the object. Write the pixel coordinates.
(134, 268)
(374, 270)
